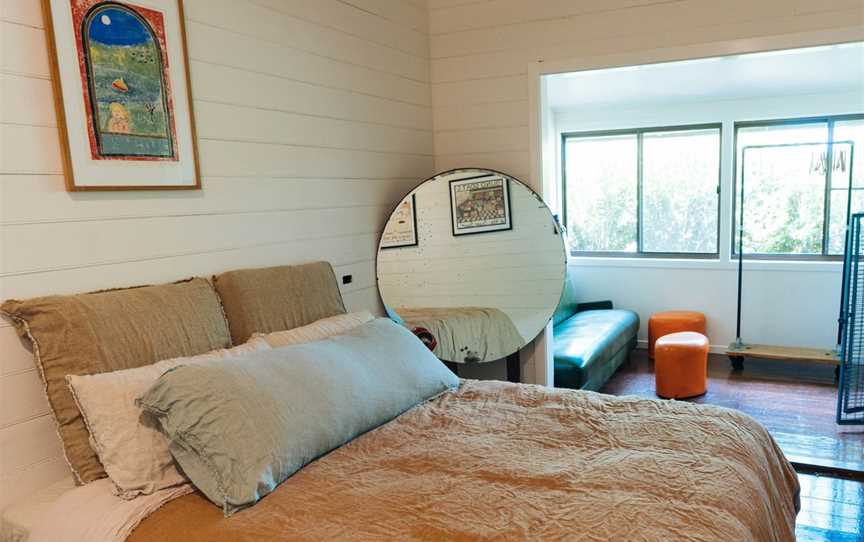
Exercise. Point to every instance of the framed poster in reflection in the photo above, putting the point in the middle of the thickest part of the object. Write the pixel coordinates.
(480, 205)
(401, 230)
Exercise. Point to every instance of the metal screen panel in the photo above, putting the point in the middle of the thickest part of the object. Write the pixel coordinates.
(850, 397)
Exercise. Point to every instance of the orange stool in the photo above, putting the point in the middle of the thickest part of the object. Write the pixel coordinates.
(681, 365)
(664, 323)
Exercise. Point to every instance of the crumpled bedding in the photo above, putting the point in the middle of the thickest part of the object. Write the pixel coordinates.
(501, 461)
(92, 513)
(466, 334)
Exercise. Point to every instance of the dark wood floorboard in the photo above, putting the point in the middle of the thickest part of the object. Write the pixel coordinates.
(795, 401)
(832, 510)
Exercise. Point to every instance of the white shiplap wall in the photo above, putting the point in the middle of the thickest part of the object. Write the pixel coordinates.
(481, 52)
(313, 119)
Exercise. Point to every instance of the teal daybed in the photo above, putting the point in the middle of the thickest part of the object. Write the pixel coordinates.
(590, 341)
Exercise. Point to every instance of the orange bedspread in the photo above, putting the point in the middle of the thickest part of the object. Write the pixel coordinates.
(494, 460)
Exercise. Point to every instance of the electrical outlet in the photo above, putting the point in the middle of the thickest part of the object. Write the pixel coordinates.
(346, 279)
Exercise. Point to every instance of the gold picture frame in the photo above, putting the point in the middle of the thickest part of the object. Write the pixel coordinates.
(100, 122)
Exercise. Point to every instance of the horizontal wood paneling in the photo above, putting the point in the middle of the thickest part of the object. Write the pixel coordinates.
(23, 99)
(78, 244)
(340, 250)
(29, 199)
(515, 163)
(488, 90)
(18, 443)
(313, 119)
(216, 46)
(237, 123)
(21, 397)
(24, 12)
(410, 13)
(490, 14)
(481, 140)
(23, 50)
(354, 21)
(31, 479)
(476, 116)
(245, 17)
(16, 357)
(265, 91)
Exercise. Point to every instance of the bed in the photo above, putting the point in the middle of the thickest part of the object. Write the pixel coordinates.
(486, 460)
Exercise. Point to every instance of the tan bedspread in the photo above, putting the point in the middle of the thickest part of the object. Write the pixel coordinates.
(505, 461)
(466, 333)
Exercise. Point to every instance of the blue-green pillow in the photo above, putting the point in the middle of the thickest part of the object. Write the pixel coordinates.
(238, 427)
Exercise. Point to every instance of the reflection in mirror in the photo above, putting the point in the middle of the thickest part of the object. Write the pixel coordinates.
(473, 262)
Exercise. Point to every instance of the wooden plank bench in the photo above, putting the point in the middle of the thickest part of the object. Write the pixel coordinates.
(784, 353)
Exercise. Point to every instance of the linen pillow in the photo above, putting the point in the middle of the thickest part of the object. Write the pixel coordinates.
(275, 298)
(326, 327)
(110, 330)
(131, 448)
(239, 427)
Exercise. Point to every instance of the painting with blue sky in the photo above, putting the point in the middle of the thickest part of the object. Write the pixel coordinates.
(127, 90)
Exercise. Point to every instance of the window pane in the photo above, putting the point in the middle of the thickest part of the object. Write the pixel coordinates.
(784, 196)
(784, 188)
(601, 193)
(840, 176)
(850, 130)
(680, 175)
(837, 230)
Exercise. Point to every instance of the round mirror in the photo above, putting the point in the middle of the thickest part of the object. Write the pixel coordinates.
(473, 262)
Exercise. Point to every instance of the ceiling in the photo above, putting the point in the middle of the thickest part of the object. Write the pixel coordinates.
(799, 71)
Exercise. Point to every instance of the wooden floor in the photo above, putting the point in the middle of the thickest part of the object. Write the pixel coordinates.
(796, 402)
(832, 510)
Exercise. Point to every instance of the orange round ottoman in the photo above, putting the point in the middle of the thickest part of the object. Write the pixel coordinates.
(664, 323)
(681, 365)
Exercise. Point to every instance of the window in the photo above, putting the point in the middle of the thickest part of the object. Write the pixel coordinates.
(651, 191)
(795, 205)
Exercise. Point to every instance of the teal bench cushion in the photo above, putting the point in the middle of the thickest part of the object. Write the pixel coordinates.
(591, 345)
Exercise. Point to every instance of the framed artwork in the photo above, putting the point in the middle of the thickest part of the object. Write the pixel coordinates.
(401, 229)
(121, 87)
(480, 205)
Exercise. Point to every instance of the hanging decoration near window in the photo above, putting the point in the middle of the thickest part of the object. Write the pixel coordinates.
(819, 161)
(122, 90)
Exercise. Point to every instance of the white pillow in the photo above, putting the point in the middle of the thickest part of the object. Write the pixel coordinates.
(316, 331)
(132, 450)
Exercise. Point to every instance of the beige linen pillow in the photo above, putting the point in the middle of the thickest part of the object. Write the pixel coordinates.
(316, 331)
(108, 331)
(132, 450)
(275, 298)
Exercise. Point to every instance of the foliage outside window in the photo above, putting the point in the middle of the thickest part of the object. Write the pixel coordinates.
(795, 204)
(652, 191)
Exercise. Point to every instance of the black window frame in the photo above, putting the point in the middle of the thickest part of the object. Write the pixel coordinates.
(829, 121)
(639, 133)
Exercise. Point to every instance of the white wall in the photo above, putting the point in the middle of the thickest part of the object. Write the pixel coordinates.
(788, 303)
(313, 119)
